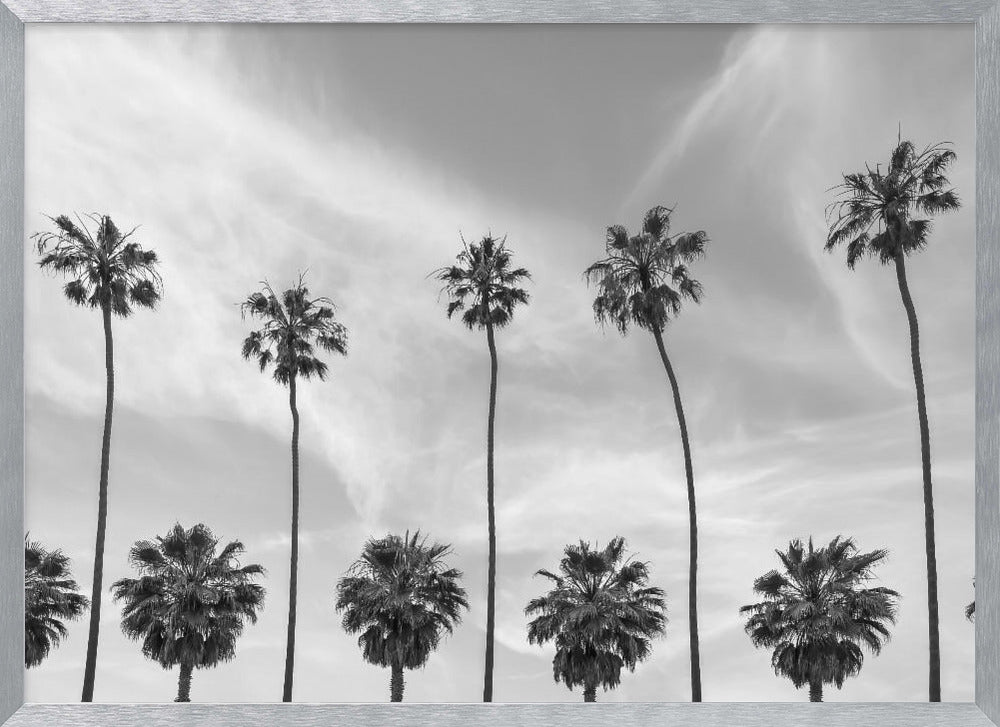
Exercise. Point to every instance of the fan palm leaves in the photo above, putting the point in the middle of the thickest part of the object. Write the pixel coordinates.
(401, 598)
(601, 614)
(51, 598)
(883, 213)
(483, 286)
(191, 601)
(818, 613)
(293, 326)
(644, 280)
(107, 269)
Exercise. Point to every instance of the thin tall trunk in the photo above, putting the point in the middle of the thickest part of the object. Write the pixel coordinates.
(184, 683)
(90, 669)
(934, 677)
(692, 526)
(286, 695)
(491, 578)
(816, 691)
(396, 684)
(590, 693)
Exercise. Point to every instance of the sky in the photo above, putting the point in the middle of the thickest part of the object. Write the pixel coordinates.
(359, 155)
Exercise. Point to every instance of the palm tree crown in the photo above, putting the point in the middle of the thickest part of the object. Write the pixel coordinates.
(877, 213)
(291, 325)
(106, 266)
(645, 277)
(190, 602)
(483, 285)
(50, 598)
(401, 598)
(817, 612)
(600, 613)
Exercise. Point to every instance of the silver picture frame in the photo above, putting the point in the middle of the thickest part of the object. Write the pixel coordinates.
(983, 14)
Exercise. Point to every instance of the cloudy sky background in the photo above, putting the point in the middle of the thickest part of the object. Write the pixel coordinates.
(360, 154)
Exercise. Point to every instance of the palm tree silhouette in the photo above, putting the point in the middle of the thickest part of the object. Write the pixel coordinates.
(190, 603)
(601, 615)
(292, 326)
(483, 286)
(50, 598)
(643, 281)
(882, 213)
(401, 597)
(110, 271)
(818, 613)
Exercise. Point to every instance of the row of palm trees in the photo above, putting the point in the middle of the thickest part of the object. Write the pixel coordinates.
(643, 280)
(192, 600)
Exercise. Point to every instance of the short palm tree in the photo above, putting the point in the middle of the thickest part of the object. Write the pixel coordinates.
(970, 610)
(190, 602)
(884, 213)
(110, 271)
(601, 615)
(51, 597)
(483, 286)
(293, 326)
(818, 612)
(401, 598)
(643, 281)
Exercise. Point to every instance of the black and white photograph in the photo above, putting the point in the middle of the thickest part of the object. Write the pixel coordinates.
(499, 363)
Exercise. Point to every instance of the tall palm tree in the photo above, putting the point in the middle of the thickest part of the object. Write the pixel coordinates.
(600, 613)
(50, 598)
(190, 602)
(292, 327)
(109, 270)
(644, 280)
(483, 286)
(818, 612)
(401, 597)
(883, 213)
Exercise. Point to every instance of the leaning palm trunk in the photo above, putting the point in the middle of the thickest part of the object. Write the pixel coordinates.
(692, 525)
(90, 669)
(491, 578)
(294, 565)
(816, 691)
(184, 683)
(396, 684)
(925, 459)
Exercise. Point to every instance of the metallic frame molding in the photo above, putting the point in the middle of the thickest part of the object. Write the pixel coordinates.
(985, 14)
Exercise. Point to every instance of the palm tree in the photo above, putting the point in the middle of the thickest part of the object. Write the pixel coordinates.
(50, 598)
(883, 213)
(401, 597)
(643, 281)
(600, 613)
(970, 610)
(190, 602)
(111, 271)
(483, 286)
(818, 613)
(292, 326)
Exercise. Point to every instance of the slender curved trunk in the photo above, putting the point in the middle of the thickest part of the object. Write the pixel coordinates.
(934, 677)
(590, 693)
(816, 691)
(396, 684)
(692, 525)
(286, 695)
(491, 578)
(90, 669)
(184, 683)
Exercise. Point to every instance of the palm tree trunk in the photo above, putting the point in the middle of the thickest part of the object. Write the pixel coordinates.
(590, 693)
(816, 691)
(286, 695)
(934, 680)
(491, 578)
(692, 525)
(184, 683)
(90, 669)
(396, 684)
